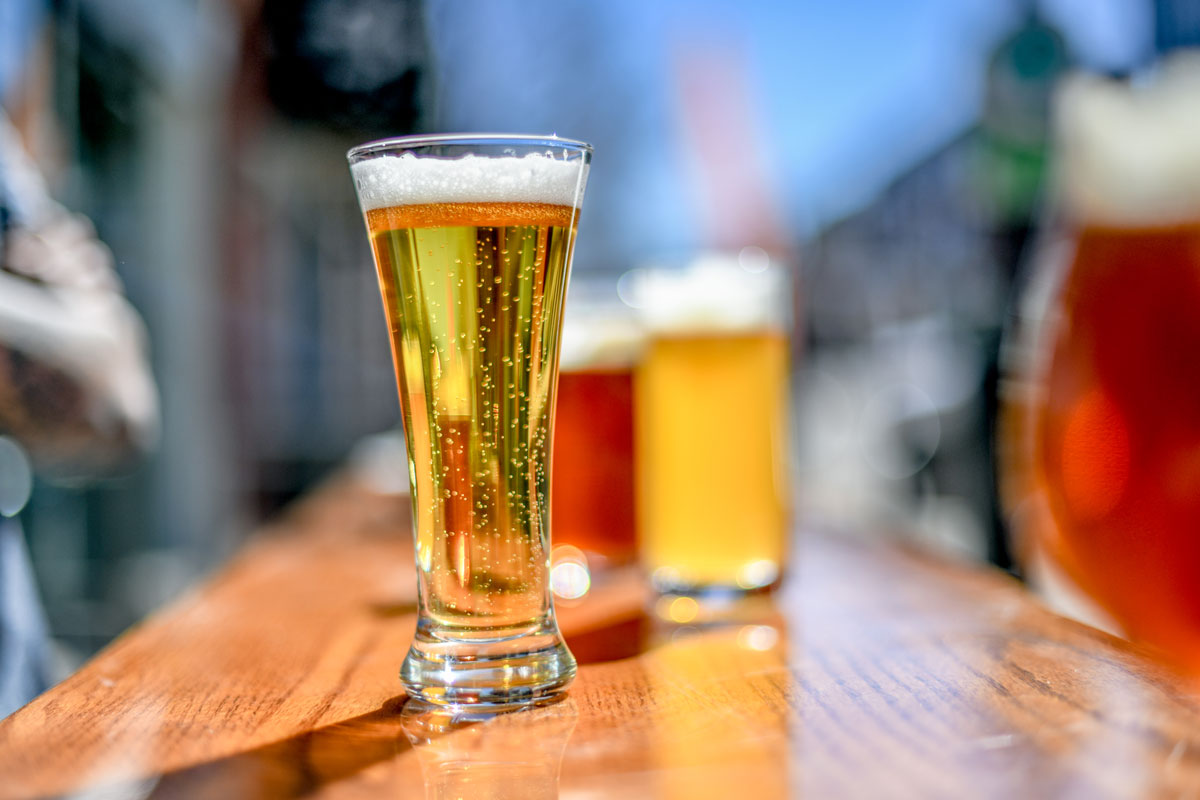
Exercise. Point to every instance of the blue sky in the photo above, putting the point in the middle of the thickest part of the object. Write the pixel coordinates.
(845, 94)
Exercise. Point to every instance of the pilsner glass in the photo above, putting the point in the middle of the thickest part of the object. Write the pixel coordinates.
(472, 238)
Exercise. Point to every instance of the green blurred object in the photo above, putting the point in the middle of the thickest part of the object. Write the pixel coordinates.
(1014, 129)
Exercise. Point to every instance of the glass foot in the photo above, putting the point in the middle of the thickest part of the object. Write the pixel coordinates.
(495, 674)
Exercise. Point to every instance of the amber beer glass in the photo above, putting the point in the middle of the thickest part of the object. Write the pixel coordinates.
(472, 238)
(1104, 417)
(593, 504)
(593, 462)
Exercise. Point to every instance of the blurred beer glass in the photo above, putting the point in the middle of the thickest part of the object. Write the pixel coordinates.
(592, 507)
(711, 400)
(1101, 424)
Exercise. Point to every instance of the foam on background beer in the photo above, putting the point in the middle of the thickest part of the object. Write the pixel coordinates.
(713, 294)
(599, 338)
(1130, 154)
(407, 179)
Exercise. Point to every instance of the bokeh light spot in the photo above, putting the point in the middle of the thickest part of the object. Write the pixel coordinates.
(570, 580)
(757, 574)
(570, 576)
(753, 259)
(683, 609)
(757, 637)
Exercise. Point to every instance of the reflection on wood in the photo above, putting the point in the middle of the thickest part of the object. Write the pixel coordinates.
(489, 756)
(876, 672)
(749, 730)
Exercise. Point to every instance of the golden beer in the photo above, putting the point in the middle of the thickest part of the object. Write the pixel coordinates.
(473, 291)
(473, 295)
(712, 433)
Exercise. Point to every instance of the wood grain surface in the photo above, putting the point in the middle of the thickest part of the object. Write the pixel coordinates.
(876, 672)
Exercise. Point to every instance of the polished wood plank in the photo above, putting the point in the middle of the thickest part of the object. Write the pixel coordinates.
(876, 672)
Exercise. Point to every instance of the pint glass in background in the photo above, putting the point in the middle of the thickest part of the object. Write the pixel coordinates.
(472, 238)
(1102, 401)
(592, 506)
(711, 410)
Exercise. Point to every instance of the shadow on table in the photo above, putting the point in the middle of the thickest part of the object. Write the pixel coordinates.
(298, 765)
(519, 750)
(303, 764)
(516, 754)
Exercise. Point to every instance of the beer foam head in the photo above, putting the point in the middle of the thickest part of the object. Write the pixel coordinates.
(599, 339)
(1130, 154)
(713, 294)
(408, 179)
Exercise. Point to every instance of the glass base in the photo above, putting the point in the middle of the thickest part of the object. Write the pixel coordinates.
(704, 605)
(494, 673)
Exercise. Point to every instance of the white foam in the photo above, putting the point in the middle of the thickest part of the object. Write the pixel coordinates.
(406, 179)
(713, 294)
(1130, 155)
(599, 339)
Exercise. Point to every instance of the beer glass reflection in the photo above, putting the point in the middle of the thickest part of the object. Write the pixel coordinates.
(746, 753)
(486, 756)
(472, 238)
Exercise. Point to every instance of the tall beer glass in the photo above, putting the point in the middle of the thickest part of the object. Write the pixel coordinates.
(472, 238)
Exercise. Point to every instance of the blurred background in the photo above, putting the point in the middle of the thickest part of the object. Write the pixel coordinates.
(893, 156)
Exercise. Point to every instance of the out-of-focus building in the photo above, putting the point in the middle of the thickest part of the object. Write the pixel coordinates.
(905, 305)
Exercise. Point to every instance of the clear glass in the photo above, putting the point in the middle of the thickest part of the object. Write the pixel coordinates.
(472, 238)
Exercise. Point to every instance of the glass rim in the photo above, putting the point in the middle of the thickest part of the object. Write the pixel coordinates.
(378, 146)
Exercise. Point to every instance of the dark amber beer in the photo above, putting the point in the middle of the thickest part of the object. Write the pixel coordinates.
(1118, 431)
(593, 503)
(1102, 424)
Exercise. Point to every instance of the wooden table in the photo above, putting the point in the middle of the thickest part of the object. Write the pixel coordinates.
(876, 673)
